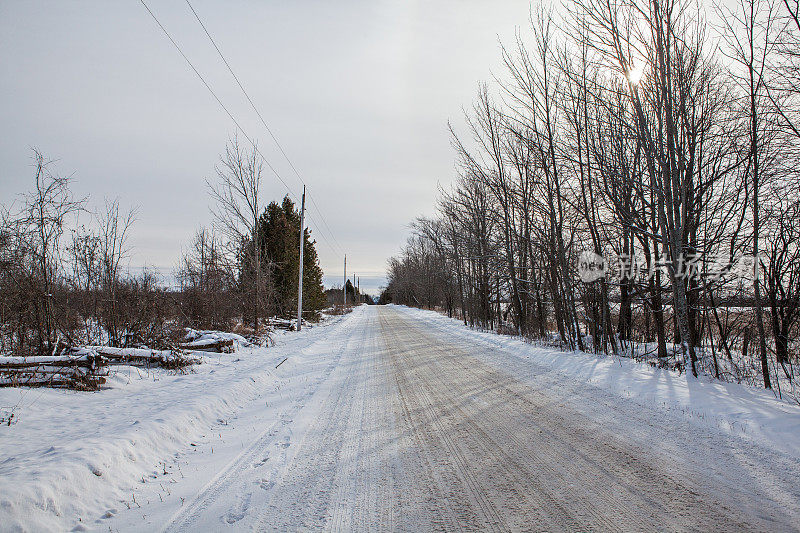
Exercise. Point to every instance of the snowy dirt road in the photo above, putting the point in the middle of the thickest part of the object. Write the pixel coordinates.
(413, 430)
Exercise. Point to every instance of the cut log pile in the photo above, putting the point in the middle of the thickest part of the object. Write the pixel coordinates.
(212, 341)
(287, 324)
(210, 345)
(282, 323)
(84, 368)
(170, 359)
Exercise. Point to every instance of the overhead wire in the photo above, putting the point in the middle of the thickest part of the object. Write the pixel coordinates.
(263, 122)
(227, 111)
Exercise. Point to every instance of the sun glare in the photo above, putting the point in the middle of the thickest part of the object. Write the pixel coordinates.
(635, 74)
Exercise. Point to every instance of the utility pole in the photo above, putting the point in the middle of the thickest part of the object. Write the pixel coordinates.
(344, 284)
(300, 269)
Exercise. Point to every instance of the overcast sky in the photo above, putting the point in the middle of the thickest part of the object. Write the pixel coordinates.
(357, 93)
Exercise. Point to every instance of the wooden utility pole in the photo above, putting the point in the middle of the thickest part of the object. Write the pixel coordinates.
(344, 283)
(300, 269)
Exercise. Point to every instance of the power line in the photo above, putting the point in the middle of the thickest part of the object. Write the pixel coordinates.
(316, 208)
(230, 115)
(235, 77)
(238, 126)
(261, 118)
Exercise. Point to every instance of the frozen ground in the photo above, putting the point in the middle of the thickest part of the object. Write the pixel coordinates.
(392, 418)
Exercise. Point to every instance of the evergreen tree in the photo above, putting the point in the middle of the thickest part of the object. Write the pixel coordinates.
(278, 229)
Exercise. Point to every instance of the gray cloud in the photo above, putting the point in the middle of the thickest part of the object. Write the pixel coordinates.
(358, 93)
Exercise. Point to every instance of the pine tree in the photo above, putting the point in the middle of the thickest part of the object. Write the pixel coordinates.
(278, 228)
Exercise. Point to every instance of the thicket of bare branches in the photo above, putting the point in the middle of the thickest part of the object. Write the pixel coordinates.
(626, 134)
(62, 287)
(63, 283)
(30, 241)
(208, 284)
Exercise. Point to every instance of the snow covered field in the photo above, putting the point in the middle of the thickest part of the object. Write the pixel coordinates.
(394, 418)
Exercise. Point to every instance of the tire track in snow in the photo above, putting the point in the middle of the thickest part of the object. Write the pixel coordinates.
(230, 480)
(341, 476)
(411, 431)
(540, 464)
(435, 439)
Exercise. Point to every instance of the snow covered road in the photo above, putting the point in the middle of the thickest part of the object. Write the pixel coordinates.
(397, 419)
(414, 431)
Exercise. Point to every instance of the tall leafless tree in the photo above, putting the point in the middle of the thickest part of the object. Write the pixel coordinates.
(236, 193)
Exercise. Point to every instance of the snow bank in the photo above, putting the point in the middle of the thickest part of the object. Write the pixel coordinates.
(70, 456)
(738, 409)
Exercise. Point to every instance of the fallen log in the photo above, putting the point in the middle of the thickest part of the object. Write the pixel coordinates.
(72, 356)
(209, 345)
(81, 363)
(170, 359)
(85, 382)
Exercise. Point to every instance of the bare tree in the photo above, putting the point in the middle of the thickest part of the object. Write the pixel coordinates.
(749, 35)
(39, 229)
(113, 249)
(207, 284)
(237, 209)
(85, 281)
(782, 273)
